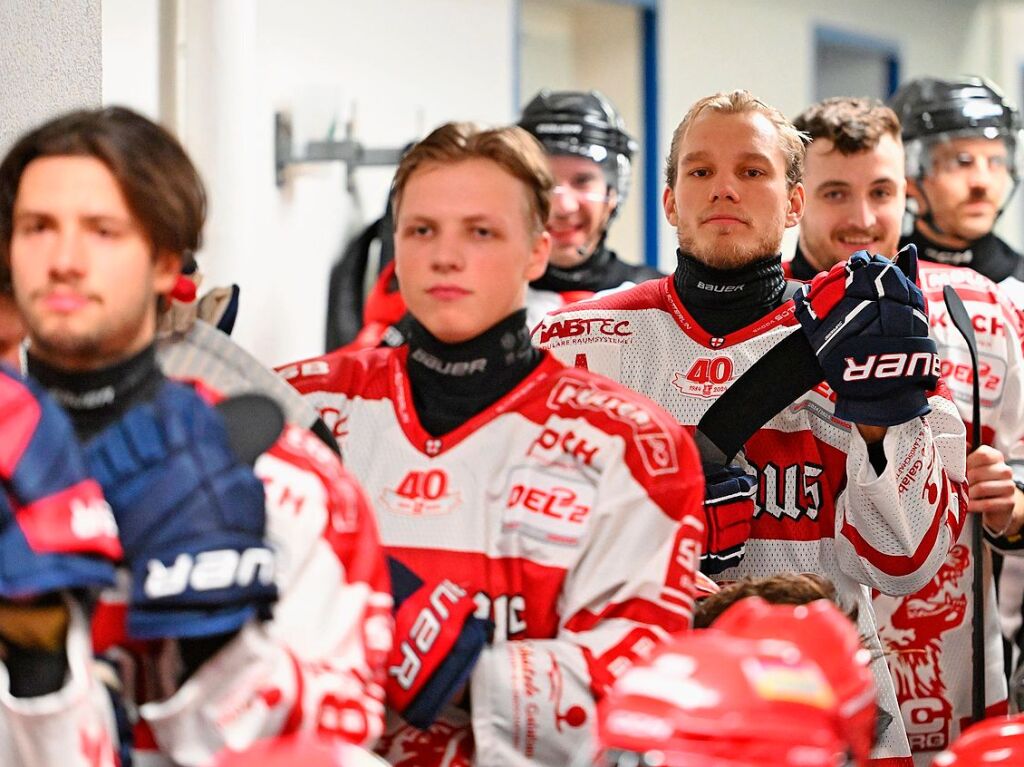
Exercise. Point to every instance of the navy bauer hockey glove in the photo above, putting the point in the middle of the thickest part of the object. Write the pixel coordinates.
(437, 643)
(56, 530)
(192, 518)
(729, 510)
(867, 323)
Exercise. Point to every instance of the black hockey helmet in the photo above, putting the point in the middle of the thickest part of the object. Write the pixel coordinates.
(932, 110)
(583, 123)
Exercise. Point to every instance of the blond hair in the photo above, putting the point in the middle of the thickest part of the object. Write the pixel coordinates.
(791, 141)
(513, 149)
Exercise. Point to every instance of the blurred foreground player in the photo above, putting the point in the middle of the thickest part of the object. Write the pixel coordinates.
(850, 484)
(510, 489)
(250, 602)
(708, 699)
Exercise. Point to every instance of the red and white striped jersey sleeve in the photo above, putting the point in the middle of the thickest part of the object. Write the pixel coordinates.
(318, 664)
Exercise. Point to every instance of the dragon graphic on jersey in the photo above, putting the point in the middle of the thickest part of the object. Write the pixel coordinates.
(913, 644)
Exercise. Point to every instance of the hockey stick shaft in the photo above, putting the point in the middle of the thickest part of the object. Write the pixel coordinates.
(962, 322)
(770, 385)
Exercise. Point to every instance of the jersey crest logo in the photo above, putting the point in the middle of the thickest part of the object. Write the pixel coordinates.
(708, 377)
(422, 494)
(913, 642)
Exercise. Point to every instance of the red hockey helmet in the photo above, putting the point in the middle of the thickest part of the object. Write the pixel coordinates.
(992, 743)
(303, 750)
(707, 699)
(829, 638)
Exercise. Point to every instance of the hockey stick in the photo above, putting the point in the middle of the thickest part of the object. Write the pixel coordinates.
(962, 322)
(771, 384)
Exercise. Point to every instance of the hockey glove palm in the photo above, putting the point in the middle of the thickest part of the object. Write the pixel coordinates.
(192, 518)
(729, 510)
(56, 530)
(438, 641)
(867, 323)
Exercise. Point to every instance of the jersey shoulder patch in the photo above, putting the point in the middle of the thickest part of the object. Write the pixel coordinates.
(340, 371)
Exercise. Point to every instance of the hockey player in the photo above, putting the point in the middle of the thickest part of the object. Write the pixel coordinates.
(250, 601)
(708, 698)
(853, 485)
(590, 154)
(855, 199)
(963, 144)
(555, 504)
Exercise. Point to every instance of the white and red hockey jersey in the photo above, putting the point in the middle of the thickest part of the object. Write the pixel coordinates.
(927, 635)
(317, 665)
(571, 509)
(820, 506)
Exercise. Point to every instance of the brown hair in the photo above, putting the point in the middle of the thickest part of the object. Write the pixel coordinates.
(160, 184)
(791, 141)
(781, 589)
(852, 124)
(513, 149)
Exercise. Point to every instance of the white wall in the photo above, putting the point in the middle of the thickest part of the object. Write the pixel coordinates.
(405, 65)
(50, 61)
(585, 45)
(131, 45)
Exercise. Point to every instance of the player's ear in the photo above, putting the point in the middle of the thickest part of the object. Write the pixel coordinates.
(668, 202)
(797, 201)
(166, 270)
(919, 206)
(539, 253)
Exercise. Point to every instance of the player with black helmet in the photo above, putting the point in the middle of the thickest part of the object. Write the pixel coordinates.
(590, 154)
(963, 144)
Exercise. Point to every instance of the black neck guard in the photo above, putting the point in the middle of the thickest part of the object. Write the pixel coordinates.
(97, 398)
(725, 300)
(451, 383)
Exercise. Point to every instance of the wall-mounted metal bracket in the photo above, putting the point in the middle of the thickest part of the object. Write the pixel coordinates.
(347, 150)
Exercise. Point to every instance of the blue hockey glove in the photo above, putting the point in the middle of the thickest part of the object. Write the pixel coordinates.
(438, 641)
(729, 510)
(56, 530)
(867, 323)
(191, 515)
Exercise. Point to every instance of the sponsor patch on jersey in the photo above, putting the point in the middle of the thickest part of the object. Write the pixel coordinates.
(585, 330)
(657, 450)
(959, 377)
(421, 494)
(546, 504)
(936, 279)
